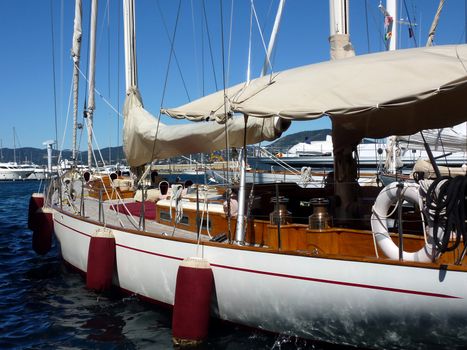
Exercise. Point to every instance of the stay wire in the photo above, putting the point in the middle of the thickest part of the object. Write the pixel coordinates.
(174, 53)
(195, 45)
(410, 23)
(367, 28)
(226, 128)
(53, 72)
(209, 42)
(118, 83)
(166, 78)
(230, 41)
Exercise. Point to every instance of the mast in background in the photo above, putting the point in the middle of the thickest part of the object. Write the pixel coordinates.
(75, 54)
(14, 145)
(390, 20)
(91, 77)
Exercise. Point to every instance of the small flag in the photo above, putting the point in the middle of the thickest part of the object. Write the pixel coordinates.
(388, 20)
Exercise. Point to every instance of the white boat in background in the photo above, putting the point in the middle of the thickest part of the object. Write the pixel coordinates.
(448, 146)
(11, 171)
(337, 277)
(319, 156)
(37, 172)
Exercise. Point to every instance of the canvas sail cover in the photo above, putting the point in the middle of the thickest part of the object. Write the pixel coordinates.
(146, 139)
(376, 95)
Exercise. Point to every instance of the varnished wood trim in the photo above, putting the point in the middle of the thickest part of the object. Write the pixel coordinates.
(371, 260)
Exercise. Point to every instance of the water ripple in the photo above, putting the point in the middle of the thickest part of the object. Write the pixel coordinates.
(45, 306)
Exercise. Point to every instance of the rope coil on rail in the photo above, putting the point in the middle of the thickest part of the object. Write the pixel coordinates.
(445, 201)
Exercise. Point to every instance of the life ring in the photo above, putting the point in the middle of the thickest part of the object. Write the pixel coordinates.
(379, 225)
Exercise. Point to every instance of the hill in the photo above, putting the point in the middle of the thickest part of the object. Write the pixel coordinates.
(115, 154)
(285, 142)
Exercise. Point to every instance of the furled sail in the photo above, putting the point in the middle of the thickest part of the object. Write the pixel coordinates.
(376, 95)
(146, 139)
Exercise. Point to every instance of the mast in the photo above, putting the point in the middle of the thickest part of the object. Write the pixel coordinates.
(339, 36)
(75, 53)
(345, 168)
(339, 17)
(14, 145)
(390, 23)
(91, 77)
(391, 7)
(130, 44)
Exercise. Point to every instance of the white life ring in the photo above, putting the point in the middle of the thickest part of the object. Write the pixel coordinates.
(387, 197)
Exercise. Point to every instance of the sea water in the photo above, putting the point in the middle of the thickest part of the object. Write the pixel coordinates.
(44, 305)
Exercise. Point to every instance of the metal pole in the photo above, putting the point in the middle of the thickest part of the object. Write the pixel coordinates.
(197, 208)
(142, 218)
(81, 207)
(278, 217)
(60, 191)
(400, 231)
(430, 156)
(100, 205)
(272, 39)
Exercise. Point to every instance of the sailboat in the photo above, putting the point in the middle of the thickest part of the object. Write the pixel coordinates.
(12, 171)
(337, 275)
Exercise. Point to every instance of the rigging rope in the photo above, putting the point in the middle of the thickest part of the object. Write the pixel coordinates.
(175, 55)
(261, 35)
(195, 52)
(230, 40)
(445, 202)
(166, 78)
(209, 42)
(411, 25)
(366, 25)
(53, 71)
(226, 127)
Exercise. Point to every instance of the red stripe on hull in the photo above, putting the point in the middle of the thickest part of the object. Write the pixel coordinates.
(311, 279)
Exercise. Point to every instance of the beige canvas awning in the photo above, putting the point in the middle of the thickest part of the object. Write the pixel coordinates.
(375, 95)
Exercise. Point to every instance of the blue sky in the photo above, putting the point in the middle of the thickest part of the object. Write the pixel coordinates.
(27, 93)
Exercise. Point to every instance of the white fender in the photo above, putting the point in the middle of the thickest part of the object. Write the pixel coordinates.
(387, 197)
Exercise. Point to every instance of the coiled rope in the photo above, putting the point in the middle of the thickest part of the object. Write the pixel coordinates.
(445, 201)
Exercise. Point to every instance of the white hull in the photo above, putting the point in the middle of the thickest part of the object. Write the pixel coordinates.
(13, 175)
(343, 301)
(41, 174)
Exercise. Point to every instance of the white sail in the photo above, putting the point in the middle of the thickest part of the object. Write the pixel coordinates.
(146, 139)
